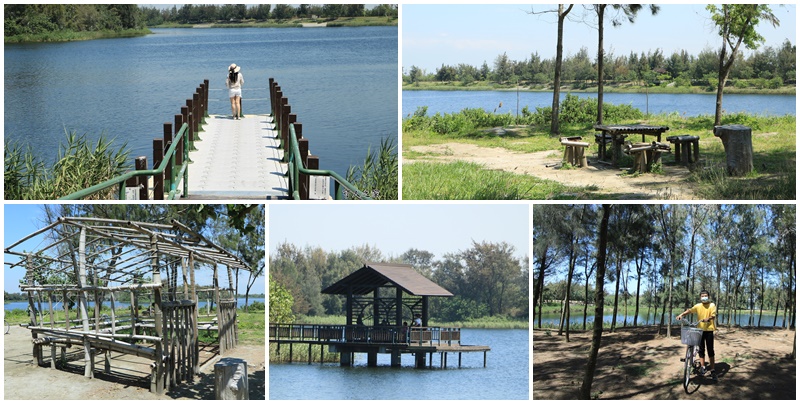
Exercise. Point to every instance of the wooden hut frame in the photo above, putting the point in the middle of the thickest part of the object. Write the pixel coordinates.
(90, 259)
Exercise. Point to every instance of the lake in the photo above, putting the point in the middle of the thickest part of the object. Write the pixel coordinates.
(341, 83)
(576, 317)
(683, 104)
(504, 378)
(117, 305)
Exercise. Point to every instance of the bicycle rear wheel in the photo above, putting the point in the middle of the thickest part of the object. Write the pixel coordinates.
(688, 367)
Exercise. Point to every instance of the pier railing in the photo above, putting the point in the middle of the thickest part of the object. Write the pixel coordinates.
(303, 166)
(318, 333)
(170, 158)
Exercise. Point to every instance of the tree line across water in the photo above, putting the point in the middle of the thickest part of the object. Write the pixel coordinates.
(206, 13)
(659, 257)
(39, 19)
(768, 67)
(486, 279)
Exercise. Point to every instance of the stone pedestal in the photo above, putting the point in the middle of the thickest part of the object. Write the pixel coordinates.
(738, 143)
(230, 379)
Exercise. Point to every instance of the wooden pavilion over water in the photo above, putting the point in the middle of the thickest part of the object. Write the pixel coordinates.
(381, 302)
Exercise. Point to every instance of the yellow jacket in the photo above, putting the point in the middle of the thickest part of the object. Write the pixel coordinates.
(705, 310)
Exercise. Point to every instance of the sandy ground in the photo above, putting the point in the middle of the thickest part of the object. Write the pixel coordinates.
(610, 181)
(129, 378)
(637, 364)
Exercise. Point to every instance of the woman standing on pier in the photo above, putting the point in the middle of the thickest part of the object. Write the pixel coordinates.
(234, 84)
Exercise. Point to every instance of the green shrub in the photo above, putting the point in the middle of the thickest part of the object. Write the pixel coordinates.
(80, 164)
(377, 177)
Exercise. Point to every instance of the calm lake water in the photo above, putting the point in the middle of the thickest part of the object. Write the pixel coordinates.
(504, 378)
(576, 317)
(684, 104)
(341, 82)
(118, 305)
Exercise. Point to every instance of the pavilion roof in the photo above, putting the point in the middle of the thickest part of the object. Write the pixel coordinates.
(116, 241)
(374, 275)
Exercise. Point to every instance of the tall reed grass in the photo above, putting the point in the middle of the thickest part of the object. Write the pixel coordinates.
(80, 164)
(378, 176)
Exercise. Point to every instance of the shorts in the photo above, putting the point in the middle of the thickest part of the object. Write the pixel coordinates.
(707, 341)
(235, 92)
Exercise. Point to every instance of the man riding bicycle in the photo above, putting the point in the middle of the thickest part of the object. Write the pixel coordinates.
(706, 313)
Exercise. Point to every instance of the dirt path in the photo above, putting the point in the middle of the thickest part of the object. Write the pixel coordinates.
(637, 364)
(610, 181)
(129, 378)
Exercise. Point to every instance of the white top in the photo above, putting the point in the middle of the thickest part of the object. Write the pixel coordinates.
(237, 84)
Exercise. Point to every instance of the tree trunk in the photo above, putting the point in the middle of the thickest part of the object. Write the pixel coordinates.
(562, 317)
(616, 293)
(557, 76)
(537, 288)
(572, 261)
(775, 318)
(669, 298)
(585, 301)
(638, 286)
(723, 76)
(625, 295)
(597, 334)
(600, 17)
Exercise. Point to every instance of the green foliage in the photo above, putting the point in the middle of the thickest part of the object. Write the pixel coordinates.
(378, 176)
(462, 122)
(490, 279)
(30, 20)
(460, 309)
(80, 164)
(280, 304)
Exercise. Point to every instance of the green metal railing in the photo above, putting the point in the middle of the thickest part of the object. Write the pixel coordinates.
(299, 162)
(296, 168)
(170, 182)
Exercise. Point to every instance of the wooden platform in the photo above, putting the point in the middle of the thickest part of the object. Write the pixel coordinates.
(237, 159)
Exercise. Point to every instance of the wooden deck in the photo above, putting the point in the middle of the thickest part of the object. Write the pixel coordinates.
(237, 159)
(373, 340)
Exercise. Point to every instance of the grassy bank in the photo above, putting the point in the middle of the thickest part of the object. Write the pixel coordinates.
(469, 181)
(294, 23)
(590, 88)
(68, 36)
(773, 138)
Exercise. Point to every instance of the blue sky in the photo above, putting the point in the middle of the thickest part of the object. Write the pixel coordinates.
(395, 228)
(21, 220)
(433, 35)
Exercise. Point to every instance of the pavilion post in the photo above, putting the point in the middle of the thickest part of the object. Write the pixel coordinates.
(157, 383)
(82, 302)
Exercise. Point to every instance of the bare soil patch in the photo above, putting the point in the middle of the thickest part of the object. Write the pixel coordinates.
(638, 364)
(611, 182)
(129, 378)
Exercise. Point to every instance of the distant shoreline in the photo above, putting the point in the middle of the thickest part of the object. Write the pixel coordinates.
(786, 90)
(71, 36)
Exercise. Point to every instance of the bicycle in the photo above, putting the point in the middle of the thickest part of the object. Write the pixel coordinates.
(692, 338)
(8, 326)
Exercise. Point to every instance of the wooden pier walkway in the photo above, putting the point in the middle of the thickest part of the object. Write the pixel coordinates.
(347, 340)
(238, 159)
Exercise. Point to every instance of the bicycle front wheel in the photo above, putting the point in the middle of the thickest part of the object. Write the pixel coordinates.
(688, 367)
